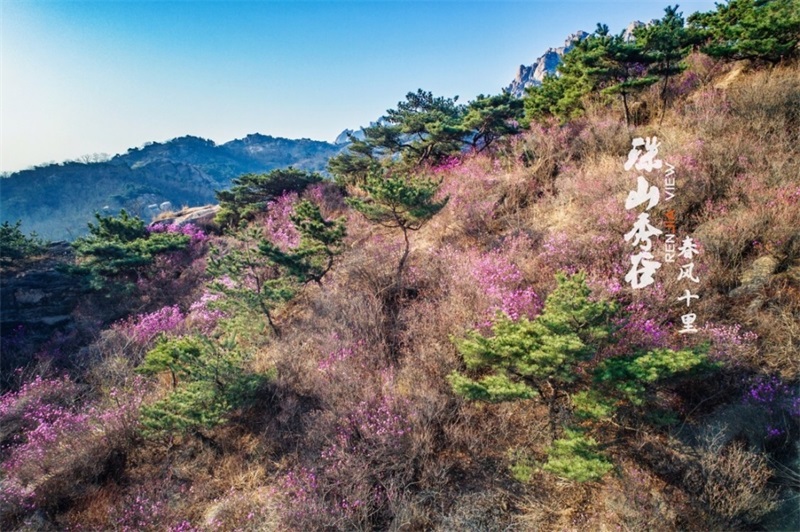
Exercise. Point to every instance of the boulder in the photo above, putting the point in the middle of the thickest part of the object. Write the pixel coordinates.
(195, 215)
(41, 294)
(755, 276)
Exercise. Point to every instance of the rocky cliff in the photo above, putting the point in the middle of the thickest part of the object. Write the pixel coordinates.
(546, 64)
(533, 74)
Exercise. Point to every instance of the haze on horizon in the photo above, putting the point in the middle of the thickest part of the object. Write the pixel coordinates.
(79, 78)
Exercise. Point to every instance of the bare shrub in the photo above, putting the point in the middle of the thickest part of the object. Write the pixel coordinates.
(736, 483)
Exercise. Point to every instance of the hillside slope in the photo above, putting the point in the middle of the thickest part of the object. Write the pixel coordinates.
(58, 200)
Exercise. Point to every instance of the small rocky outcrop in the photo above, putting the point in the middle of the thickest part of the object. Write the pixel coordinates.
(756, 276)
(41, 294)
(200, 216)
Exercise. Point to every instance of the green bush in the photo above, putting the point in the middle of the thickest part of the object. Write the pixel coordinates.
(576, 457)
(120, 247)
(208, 381)
(15, 246)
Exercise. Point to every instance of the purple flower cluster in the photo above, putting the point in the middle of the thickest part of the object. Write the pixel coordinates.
(558, 252)
(729, 343)
(340, 486)
(338, 355)
(777, 398)
(502, 280)
(34, 395)
(202, 315)
(380, 419)
(140, 512)
(145, 327)
(192, 231)
(447, 165)
(51, 432)
(278, 224)
(638, 331)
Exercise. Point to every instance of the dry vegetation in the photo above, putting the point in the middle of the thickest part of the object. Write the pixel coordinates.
(358, 428)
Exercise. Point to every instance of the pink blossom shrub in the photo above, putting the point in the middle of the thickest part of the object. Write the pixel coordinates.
(490, 281)
(61, 444)
(639, 330)
(21, 409)
(729, 343)
(278, 225)
(503, 283)
(355, 476)
(473, 189)
(202, 315)
(195, 234)
(144, 328)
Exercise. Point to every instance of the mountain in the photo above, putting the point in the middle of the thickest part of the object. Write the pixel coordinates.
(58, 200)
(344, 137)
(533, 74)
(546, 64)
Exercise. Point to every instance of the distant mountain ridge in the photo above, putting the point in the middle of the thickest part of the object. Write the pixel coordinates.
(545, 65)
(57, 200)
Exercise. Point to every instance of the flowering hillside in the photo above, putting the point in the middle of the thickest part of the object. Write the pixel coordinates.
(474, 340)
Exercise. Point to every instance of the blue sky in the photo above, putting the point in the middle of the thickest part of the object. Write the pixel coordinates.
(78, 78)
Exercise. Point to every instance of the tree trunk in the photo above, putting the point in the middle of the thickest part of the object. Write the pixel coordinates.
(401, 266)
(663, 101)
(627, 111)
(269, 320)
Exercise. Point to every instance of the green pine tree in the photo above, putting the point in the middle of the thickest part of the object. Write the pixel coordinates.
(120, 247)
(15, 247)
(665, 42)
(396, 199)
(250, 193)
(320, 242)
(208, 380)
(529, 358)
(541, 358)
(248, 280)
(764, 30)
(490, 118)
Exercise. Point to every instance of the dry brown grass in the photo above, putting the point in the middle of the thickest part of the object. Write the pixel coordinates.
(451, 471)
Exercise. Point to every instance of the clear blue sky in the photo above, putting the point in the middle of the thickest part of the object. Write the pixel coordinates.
(89, 77)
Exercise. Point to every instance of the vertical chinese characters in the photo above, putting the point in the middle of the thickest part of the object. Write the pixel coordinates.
(643, 157)
(687, 251)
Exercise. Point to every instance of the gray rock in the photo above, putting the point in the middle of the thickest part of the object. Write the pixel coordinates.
(534, 74)
(755, 276)
(42, 294)
(546, 65)
(196, 215)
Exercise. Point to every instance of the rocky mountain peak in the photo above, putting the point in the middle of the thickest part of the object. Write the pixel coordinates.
(533, 74)
(546, 64)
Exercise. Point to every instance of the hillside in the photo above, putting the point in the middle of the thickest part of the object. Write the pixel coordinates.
(57, 200)
(587, 323)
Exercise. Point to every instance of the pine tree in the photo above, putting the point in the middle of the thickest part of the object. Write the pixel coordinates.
(615, 66)
(15, 246)
(320, 242)
(208, 380)
(250, 193)
(423, 129)
(665, 42)
(120, 247)
(246, 278)
(541, 358)
(431, 126)
(535, 358)
(765, 30)
(490, 118)
(395, 199)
